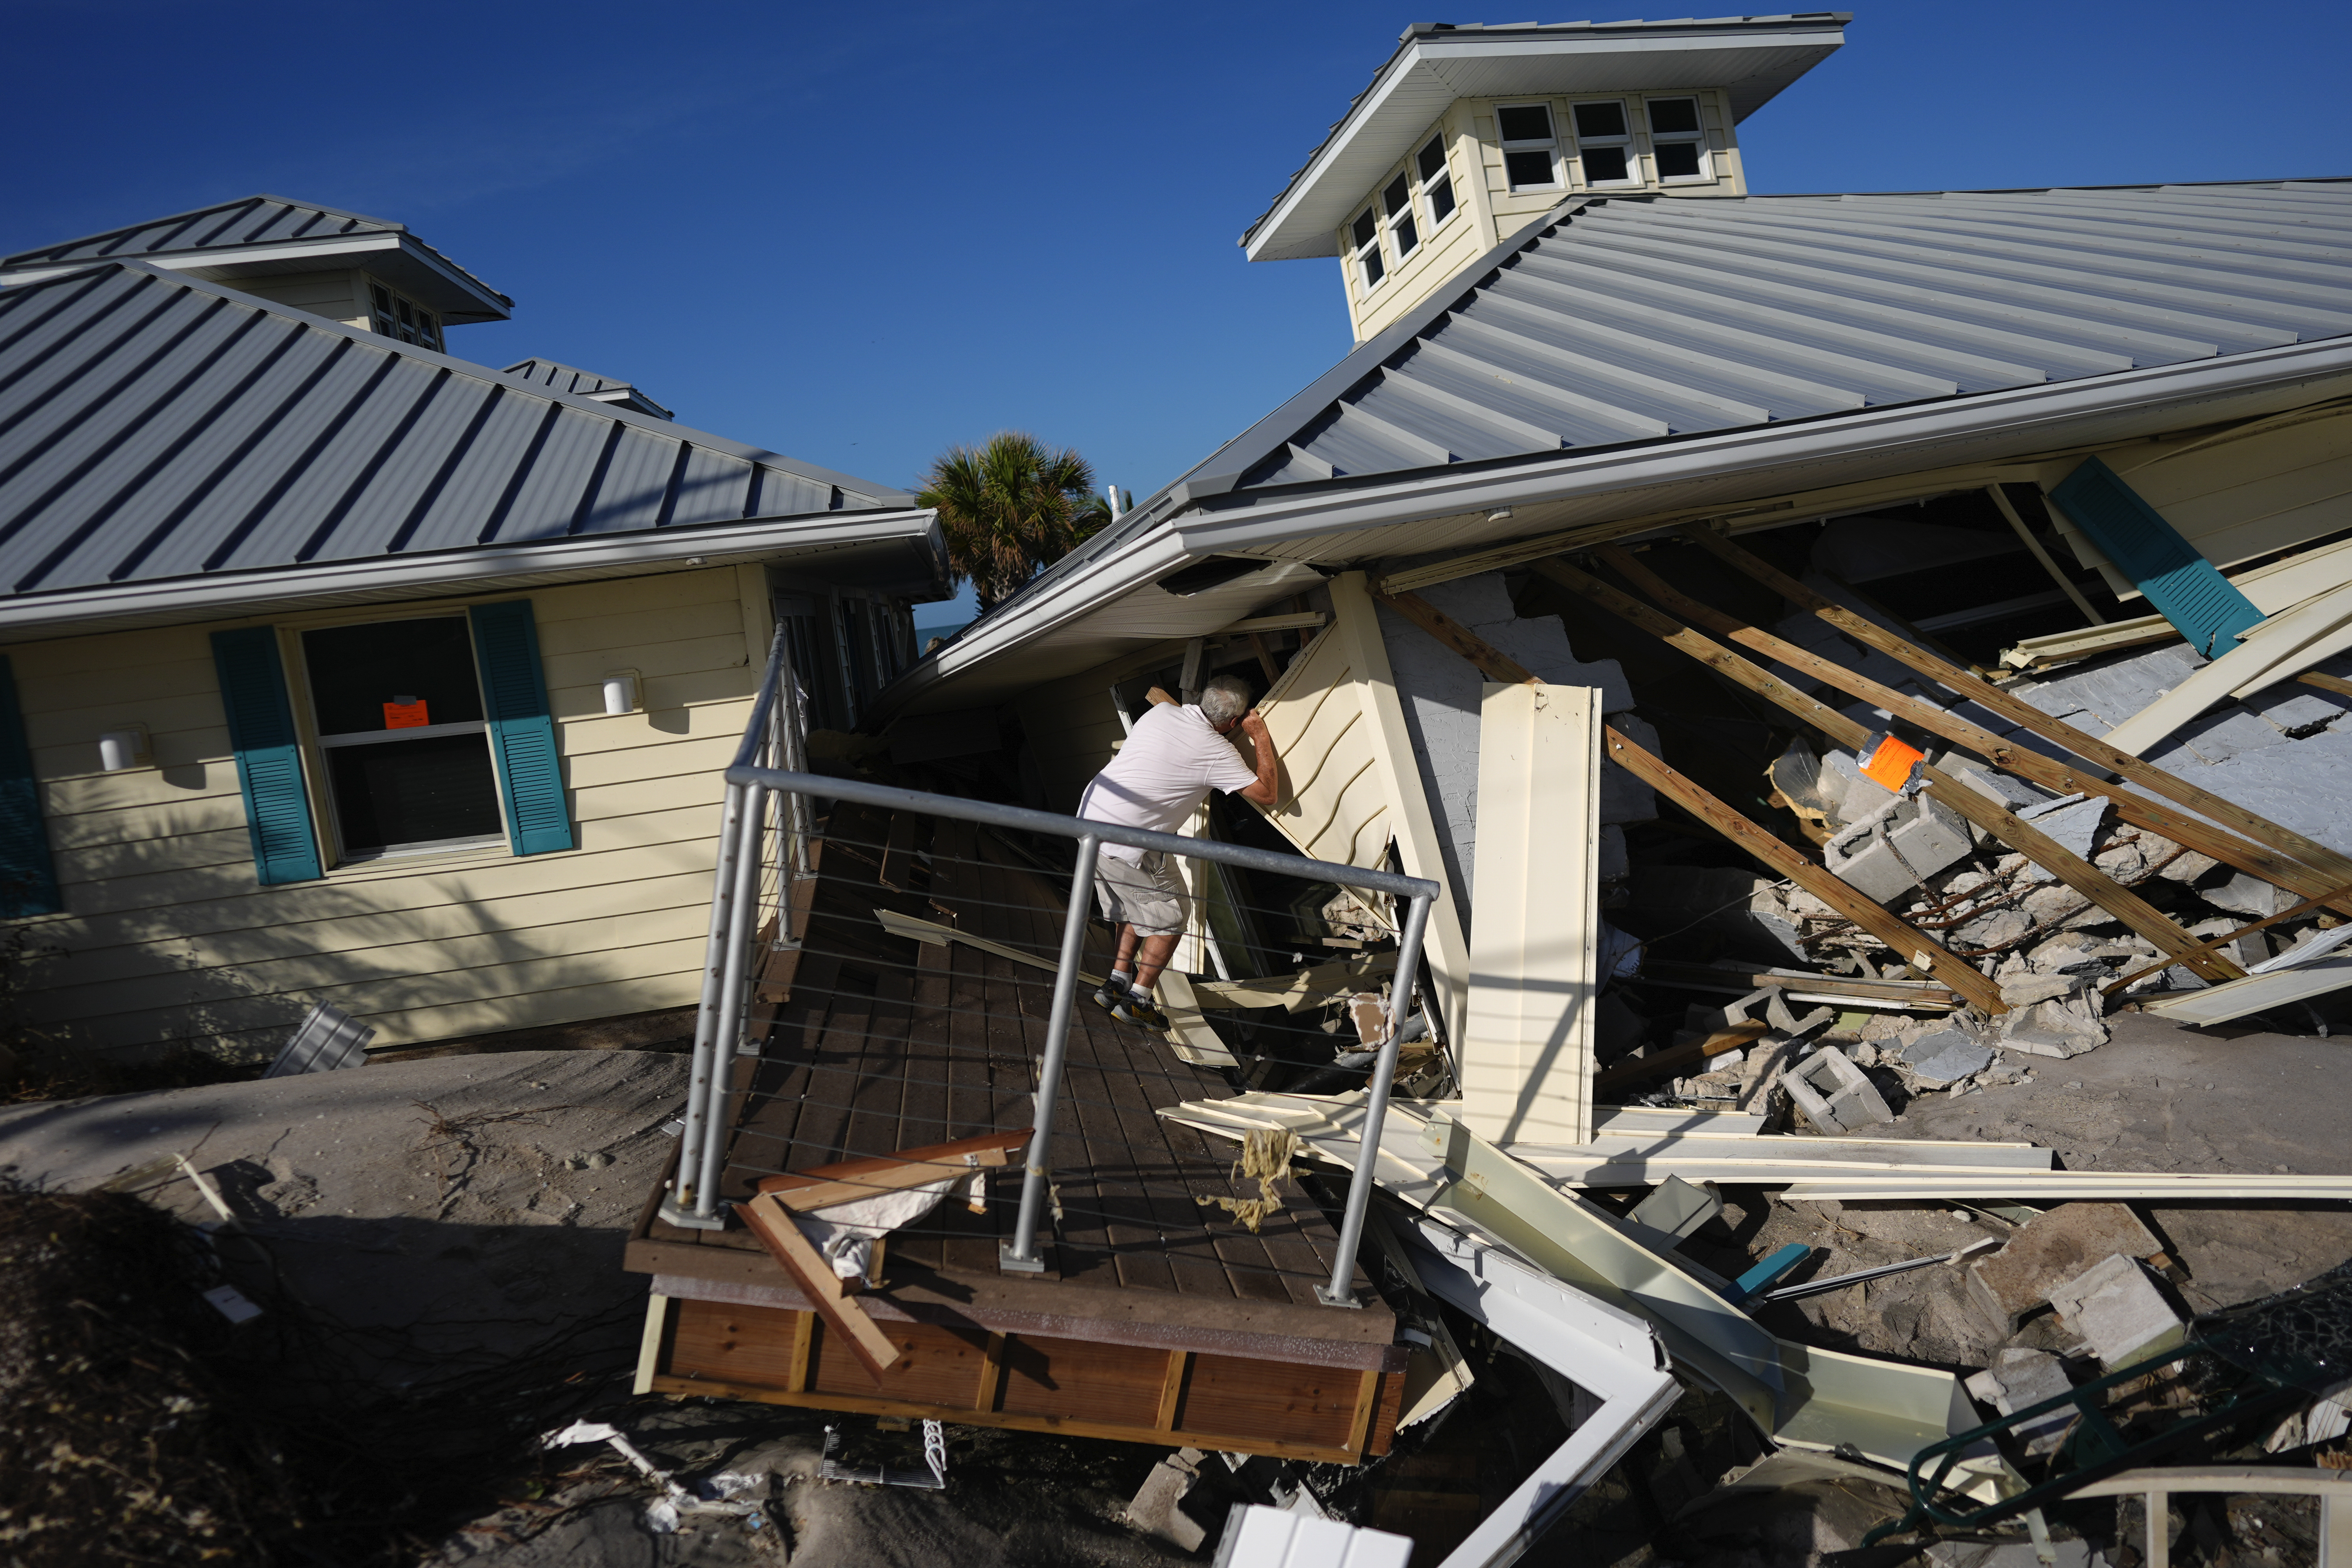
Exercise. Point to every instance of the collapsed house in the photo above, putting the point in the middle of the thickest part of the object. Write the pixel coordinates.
(1811, 652)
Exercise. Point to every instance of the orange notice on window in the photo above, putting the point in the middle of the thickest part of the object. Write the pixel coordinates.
(406, 713)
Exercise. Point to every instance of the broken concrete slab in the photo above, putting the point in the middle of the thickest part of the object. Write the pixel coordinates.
(1156, 1508)
(2115, 1306)
(2024, 990)
(1946, 1056)
(2020, 1378)
(2075, 823)
(2048, 1252)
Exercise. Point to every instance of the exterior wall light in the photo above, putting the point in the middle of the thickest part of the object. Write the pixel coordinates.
(621, 692)
(120, 751)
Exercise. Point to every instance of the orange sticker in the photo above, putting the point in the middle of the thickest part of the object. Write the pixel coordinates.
(406, 715)
(1888, 764)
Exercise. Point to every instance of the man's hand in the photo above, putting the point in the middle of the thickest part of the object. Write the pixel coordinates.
(1267, 791)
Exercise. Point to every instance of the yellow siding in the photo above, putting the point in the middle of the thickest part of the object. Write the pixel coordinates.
(168, 939)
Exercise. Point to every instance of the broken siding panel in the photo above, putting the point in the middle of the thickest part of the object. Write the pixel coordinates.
(1351, 782)
(1526, 1059)
(167, 938)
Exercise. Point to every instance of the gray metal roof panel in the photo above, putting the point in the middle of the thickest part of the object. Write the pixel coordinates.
(155, 426)
(240, 225)
(1630, 319)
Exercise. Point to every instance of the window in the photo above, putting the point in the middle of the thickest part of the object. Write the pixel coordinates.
(1366, 234)
(1436, 182)
(1675, 139)
(1605, 145)
(396, 317)
(1530, 149)
(399, 709)
(1397, 201)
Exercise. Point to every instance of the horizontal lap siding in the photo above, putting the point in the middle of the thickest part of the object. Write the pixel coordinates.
(168, 939)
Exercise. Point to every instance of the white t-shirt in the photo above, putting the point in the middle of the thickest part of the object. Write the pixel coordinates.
(1172, 760)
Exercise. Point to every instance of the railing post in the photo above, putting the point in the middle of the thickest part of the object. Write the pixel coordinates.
(1021, 1255)
(706, 1014)
(742, 903)
(1340, 1291)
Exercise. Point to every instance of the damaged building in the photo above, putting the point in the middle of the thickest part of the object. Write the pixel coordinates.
(1767, 660)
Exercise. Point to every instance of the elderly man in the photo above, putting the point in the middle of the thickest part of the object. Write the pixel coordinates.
(1174, 757)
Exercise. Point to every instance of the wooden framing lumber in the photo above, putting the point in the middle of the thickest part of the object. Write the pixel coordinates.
(847, 1181)
(2335, 683)
(2002, 503)
(1641, 1069)
(1913, 945)
(2256, 859)
(766, 1217)
(2217, 943)
(1987, 814)
(2335, 867)
(1717, 976)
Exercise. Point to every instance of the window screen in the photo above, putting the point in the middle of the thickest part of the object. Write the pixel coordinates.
(1436, 182)
(1599, 120)
(1604, 143)
(1366, 233)
(399, 711)
(1529, 122)
(1529, 145)
(1675, 139)
(1397, 199)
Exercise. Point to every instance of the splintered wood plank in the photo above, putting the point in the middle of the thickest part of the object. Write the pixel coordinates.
(827, 1292)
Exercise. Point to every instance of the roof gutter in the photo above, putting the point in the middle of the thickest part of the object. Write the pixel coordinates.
(484, 569)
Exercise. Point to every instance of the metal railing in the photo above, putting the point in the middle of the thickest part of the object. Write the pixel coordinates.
(762, 848)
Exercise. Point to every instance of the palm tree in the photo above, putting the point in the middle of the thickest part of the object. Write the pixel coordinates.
(1011, 508)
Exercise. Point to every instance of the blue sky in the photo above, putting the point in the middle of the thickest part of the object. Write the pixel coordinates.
(857, 235)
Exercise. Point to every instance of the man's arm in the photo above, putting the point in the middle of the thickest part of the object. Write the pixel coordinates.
(1267, 789)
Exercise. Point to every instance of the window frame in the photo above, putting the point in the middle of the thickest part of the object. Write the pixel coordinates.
(1632, 180)
(1403, 212)
(1552, 144)
(1361, 250)
(1424, 185)
(1696, 138)
(386, 305)
(316, 743)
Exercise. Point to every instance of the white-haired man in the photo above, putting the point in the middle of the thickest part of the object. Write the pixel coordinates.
(1174, 757)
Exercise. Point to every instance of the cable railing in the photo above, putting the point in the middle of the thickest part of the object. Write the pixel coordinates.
(763, 862)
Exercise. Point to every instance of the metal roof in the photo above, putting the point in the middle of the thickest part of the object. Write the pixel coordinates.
(586, 383)
(1752, 58)
(1631, 320)
(263, 235)
(156, 426)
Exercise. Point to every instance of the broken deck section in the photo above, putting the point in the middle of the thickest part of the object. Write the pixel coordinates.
(1159, 1320)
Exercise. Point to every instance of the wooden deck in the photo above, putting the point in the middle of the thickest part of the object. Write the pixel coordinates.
(1159, 1320)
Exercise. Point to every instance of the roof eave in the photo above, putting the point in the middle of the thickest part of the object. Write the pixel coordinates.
(484, 569)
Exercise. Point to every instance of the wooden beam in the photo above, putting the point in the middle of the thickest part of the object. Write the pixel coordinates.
(1918, 993)
(804, 1350)
(2335, 683)
(991, 1372)
(1912, 945)
(1951, 793)
(843, 1312)
(2336, 869)
(2224, 939)
(847, 1181)
(1289, 621)
(1264, 658)
(1171, 1389)
(2001, 502)
(1640, 1069)
(2023, 761)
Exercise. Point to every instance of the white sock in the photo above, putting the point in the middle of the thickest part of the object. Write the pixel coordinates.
(1124, 976)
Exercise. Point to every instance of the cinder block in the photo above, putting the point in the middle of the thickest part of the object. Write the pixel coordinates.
(1833, 1093)
(2049, 1251)
(2117, 1307)
(1158, 1508)
(1878, 859)
(2018, 1379)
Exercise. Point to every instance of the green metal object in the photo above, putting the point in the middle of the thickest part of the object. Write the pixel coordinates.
(2094, 1450)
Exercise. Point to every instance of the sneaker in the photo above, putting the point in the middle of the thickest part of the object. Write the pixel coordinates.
(1110, 993)
(1140, 1010)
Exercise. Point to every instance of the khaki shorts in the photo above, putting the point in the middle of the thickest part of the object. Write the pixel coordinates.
(1144, 895)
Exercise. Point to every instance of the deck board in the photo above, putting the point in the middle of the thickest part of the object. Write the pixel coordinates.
(886, 1043)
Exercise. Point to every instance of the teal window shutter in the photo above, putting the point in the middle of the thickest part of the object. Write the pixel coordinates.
(523, 733)
(269, 755)
(29, 877)
(2185, 588)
